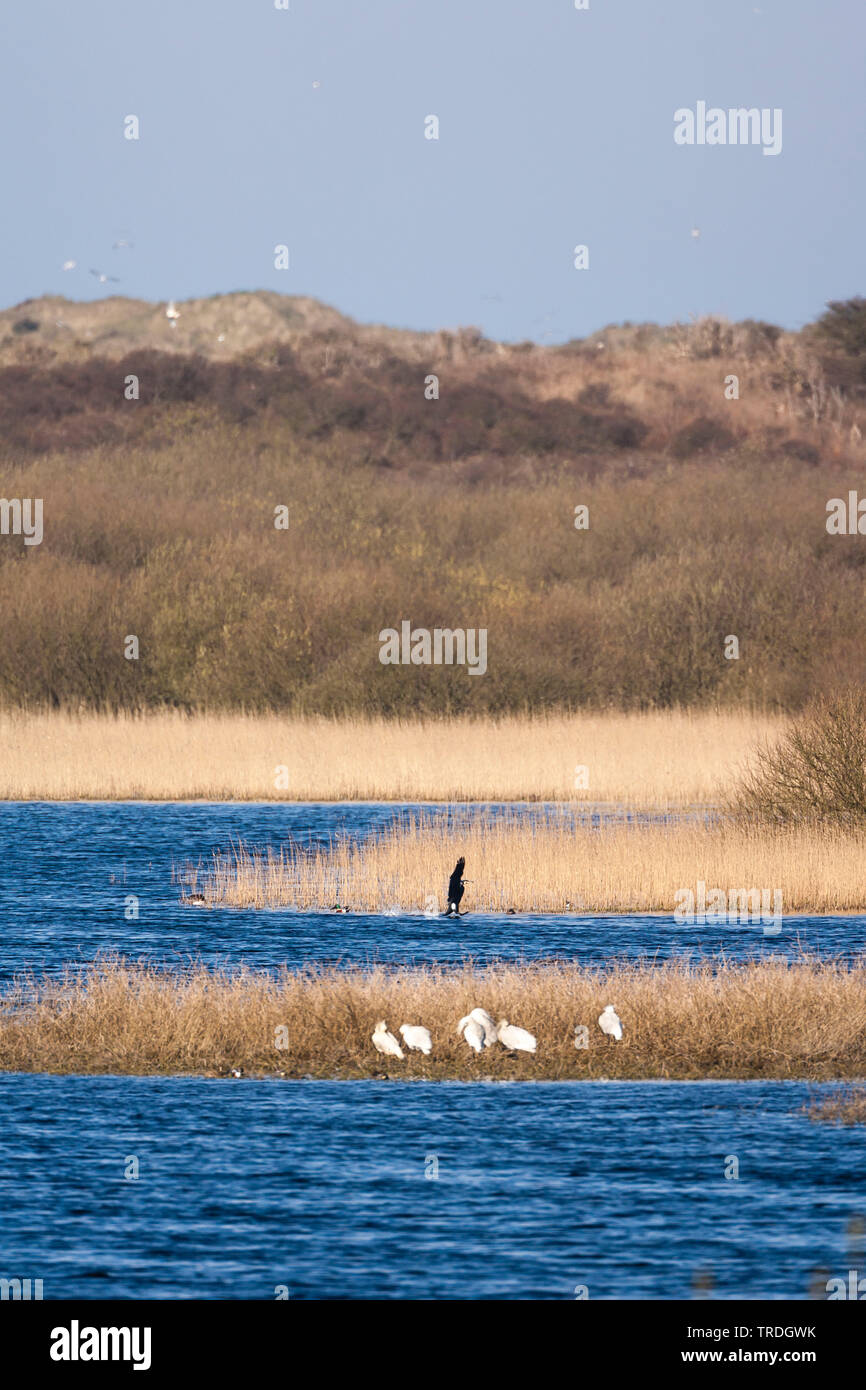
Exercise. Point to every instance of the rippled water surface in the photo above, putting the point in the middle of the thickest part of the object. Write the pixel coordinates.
(321, 1187)
(67, 869)
(386, 1189)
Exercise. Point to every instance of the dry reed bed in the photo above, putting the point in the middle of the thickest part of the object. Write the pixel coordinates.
(512, 862)
(681, 1020)
(660, 759)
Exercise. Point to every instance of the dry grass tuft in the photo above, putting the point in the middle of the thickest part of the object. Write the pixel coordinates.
(682, 1020)
(844, 1107)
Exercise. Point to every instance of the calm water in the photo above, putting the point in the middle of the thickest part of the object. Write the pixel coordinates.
(67, 869)
(247, 1185)
(320, 1186)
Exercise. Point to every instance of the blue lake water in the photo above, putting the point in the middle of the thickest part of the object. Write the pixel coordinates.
(320, 1186)
(68, 867)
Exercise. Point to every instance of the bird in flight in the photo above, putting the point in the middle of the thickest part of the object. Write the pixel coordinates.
(105, 279)
(455, 889)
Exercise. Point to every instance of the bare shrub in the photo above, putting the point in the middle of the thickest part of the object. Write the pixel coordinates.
(816, 771)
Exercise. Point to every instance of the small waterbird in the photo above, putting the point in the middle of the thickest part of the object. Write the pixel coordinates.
(456, 886)
(417, 1039)
(610, 1023)
(515, 1039)
(383, 1041)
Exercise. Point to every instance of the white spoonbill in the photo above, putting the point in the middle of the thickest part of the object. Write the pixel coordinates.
(383, 1041)
(488, 1027)
(485, 1023)
(417, 1039)
(515, 1039)
(610, 1023)
(473, 1033)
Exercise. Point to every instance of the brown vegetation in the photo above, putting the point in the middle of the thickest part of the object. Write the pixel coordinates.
(663, 758)
(707, 516)
(815, 773)
(843, 1107)
(762, 1019)
(544, 864)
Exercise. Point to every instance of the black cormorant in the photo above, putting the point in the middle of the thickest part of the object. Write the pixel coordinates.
(455, 889)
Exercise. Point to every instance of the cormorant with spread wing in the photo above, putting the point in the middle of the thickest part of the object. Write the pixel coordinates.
(455, 889)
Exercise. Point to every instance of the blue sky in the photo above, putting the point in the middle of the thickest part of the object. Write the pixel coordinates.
(556, 128)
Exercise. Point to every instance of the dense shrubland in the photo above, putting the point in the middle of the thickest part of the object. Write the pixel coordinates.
(707, 518)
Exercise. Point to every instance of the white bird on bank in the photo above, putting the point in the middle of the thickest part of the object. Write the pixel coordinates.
(482, 1019)
(488, 1027)
(417, 1039)
(610, 1023)
(473, 1034)
(383, 1041)
(171, 313)
(515, 1039)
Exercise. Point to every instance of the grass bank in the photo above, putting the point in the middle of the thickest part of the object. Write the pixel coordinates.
(661, 759)
(551, 865)
(681, 1021)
